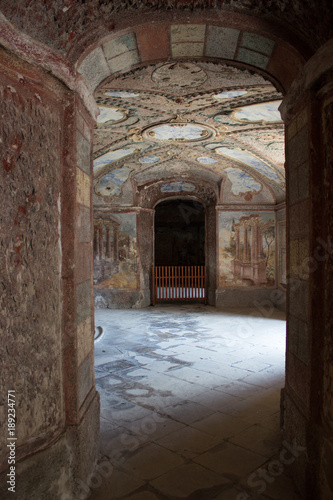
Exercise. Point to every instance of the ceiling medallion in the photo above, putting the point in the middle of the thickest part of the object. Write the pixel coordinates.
(179, 129)
(179, 75)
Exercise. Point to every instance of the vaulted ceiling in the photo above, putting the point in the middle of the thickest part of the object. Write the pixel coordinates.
(186, 123)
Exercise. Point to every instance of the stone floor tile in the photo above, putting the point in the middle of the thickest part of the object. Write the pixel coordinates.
(161, 356)
(251, 365)
(259, 439)
(188, 412)
(107, 383)
(131, 414)
(166, 352)
(240, 389)
(184, 481)
(143, 360)
(188, 442)
(230, 460)
(157, 401)
(162, 366)
(263, 483)
(116, 486)
(231, 372)
(268, 381)
(152, 461)
(221, 425)
(197, 377)
(215, 400)
(281, 487)
(153, 426)
(249, 411)
(110, 436)
(272, 422)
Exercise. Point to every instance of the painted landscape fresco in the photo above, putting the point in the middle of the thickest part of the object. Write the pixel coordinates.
(115, 254)
(246, 249)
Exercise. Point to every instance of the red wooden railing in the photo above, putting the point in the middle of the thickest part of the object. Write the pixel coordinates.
(179, 283)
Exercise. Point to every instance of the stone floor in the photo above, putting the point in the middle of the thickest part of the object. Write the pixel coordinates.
(190, 405)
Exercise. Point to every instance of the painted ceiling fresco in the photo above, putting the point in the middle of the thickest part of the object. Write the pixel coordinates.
(192, 120)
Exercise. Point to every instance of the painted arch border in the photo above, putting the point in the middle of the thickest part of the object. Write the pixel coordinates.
(258, 45)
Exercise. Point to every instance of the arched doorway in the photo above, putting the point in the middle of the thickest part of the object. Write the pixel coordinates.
(179, 271)
(302, 124)
(179, 231)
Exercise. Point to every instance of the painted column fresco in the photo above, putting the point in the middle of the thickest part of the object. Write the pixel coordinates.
(115, 256)
(246, 249)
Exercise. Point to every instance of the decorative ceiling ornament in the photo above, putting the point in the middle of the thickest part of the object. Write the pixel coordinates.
(207, 160)
(263, 112)
(178, 187)
(179, 129)
(252, 161)
(112, 156)
(110, 115)
(121, 94)
(230, 94)
(111, 183)
(242, 183)
(149, 159)
(135, 134)
(178, 75)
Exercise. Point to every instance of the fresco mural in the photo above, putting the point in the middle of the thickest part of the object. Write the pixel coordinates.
(149, 159)
(177, 187)
(117, 154)
(252, 161)
(115, 255)
(121, 95)
(266, 112)
(111, 183)
(112, 156)
(179, 132)
(109, 115)
(207, 160)
(241, 182)
(246, 249)
(230, 94)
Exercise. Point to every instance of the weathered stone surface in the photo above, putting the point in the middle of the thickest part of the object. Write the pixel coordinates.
(188, 33)
(84, 153)
(221, 42)
(85, 338)
(95, 68)
(120, 45)
(257, 43)
(61, 27)
(83, 188)
(123, 61)
(86, 377)
(253, 58)
(83, 300)
(83, 224)
(30, 297)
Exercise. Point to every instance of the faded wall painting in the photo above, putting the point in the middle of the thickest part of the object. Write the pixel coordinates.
(246, 249)
(115, 254)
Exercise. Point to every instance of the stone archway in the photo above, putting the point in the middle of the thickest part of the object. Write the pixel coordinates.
(308, 115)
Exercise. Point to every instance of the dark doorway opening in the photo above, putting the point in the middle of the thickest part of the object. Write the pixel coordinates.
(179, 233)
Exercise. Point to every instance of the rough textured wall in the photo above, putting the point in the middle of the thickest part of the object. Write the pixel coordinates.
(60, 24)
(30, 298)
(298, 355)
(326, 480)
